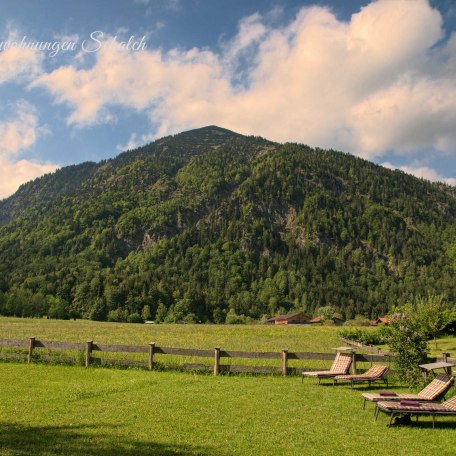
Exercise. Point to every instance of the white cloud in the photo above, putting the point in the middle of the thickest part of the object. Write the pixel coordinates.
(13, 174)
(370, 85)
(16, 135)
(20, 132)
(17, 61)
(423, 171)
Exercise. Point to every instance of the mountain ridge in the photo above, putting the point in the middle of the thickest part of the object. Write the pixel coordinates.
(207, 222)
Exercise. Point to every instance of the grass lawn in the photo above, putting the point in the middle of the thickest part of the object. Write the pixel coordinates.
(64, 410)
(232, 337)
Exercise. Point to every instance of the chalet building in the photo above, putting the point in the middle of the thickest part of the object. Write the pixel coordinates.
(381, 321)
(298, 318)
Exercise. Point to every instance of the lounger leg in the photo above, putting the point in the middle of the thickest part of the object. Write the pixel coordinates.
(364, 404)
(302, 378)
(391, 419)
(376, 412)
(433, 421)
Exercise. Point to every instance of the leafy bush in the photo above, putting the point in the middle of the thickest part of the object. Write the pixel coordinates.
(376, 337)
(359, 320)
(233, 319)
(407, 339)
(135, 318)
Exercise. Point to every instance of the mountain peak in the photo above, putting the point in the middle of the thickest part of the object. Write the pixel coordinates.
(209, 130)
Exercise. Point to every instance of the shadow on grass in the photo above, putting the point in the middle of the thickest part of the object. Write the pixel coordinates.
(18, 439)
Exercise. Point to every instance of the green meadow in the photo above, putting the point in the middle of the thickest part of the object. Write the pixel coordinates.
(66, 410)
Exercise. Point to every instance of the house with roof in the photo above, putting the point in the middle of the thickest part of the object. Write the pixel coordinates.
(381, 321)
(297, 318)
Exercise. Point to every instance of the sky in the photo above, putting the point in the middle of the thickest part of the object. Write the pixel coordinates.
(84, 80)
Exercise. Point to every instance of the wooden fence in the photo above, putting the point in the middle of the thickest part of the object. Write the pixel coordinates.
(88, 350)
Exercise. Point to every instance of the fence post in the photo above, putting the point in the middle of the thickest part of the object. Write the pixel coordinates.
(31, 347)
(151, 355)
(88, 353)
(353, 368)
(445, 357)
(284, 361)
(216, 360)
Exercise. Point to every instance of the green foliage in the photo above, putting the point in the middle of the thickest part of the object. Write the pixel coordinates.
(327, 313)
(373, 337)
(452, 253)
(118, 315)
(208, 221)
(57, 309)
(431, 314)
(408, 340)
(146, 313)
(359, 320)
(161, 313)
(233, 319)
(135, 318)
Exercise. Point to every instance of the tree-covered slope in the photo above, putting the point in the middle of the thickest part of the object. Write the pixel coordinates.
(45, 190)
(207, 221)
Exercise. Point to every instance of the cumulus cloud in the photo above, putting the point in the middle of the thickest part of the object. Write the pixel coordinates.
(17, 61)
(372, 85)
(16, 135)
(424, 172)
(13, 174)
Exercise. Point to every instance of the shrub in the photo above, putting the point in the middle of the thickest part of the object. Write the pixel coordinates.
(374, 337)
(407, 339)
(135, 318)
(233, 319)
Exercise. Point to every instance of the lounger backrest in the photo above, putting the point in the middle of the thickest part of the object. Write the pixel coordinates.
(341, 363)
(437, 387)
(375, 371)
(451, 403)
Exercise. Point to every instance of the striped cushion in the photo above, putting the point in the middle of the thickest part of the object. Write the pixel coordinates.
(373, 373)
(437, 387)
(377, 397)
(341, 364)
(451, 403)
(423, 407)
(321, 374)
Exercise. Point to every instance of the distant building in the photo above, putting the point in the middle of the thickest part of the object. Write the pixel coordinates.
(381, 321)
(297, 318)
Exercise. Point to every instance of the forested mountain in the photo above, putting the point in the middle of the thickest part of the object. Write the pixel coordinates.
(208, 221)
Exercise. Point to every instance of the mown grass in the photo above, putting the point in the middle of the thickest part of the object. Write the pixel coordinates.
(63, 410)
(228, 337)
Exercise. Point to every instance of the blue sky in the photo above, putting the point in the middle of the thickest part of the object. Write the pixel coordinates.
(374, 78)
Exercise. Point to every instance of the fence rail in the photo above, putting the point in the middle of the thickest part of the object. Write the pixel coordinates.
(86, 351)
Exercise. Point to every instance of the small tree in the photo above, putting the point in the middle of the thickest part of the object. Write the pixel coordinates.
(161, 312)
(146, 313)
(432, 314)
(408, 340)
